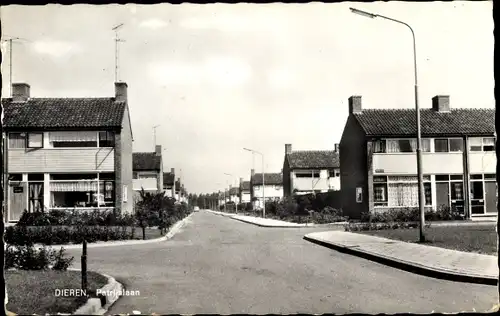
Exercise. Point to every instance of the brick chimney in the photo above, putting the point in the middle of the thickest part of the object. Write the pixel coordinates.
(355, 104)
(252, 172)
(121, 91)
(172, 170)
(441, 103)
(158, 150)
(336, 147)
(20, 92)
(288, 148)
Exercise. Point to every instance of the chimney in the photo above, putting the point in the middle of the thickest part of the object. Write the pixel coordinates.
(441, 103)
(355, 104)
(241, 180)
(288, 148)
(337, 148)
(158, 150)
(172, 170)
(20, 92)
(121, 91)
(252, 172)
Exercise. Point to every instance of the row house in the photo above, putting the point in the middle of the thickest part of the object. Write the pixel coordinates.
(169, 183)
(66, 153)
(244, 190)
(271, 184)
(310, 171)
(379, 166)
(180, 191)
(234, 195)
(147, 171)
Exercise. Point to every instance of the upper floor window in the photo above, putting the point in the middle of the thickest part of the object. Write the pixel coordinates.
(146, 175)
(403, 145)
(333, 173)
(442, 145)
(482, 144)
(70, 139)
(17, 140)
(106, 139)
(35, 140)
(310, 174)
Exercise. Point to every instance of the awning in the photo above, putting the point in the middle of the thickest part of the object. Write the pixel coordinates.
(74, 186)
(72, 136)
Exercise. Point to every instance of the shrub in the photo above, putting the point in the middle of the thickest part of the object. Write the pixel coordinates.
(29, 258)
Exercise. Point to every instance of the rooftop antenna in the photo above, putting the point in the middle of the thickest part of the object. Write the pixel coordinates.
(117, 40)
(11, 41)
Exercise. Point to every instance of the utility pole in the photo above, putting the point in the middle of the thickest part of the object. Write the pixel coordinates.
(117, 40)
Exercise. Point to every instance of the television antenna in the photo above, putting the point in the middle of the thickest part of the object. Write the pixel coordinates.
(117, 40)
(12, 40)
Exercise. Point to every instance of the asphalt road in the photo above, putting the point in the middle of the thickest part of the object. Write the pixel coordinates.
(223, 266)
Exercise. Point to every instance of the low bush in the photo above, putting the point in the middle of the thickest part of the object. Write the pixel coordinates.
(356, 227)
(412, 214)
(28, 258)
(72, 217)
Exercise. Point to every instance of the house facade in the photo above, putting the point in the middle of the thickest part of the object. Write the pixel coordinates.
(310, 171)
(234, 195)
(169, 183)
(272, 188)
(379, 167)
(147, 171)
(67, 153)
(245, 193)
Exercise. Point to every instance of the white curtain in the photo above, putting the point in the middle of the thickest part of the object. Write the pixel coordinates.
(406, 145)
(76, 186)
(69, 136)
(403, 194)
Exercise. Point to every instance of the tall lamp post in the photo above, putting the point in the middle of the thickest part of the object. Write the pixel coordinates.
(263, 182)
(421, 194)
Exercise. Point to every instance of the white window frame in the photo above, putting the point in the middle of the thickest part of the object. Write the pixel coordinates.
(471, 139)
(385, 204)
(386, 140)
(28, 141)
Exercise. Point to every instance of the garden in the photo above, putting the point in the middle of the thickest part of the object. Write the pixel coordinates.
(31, 264)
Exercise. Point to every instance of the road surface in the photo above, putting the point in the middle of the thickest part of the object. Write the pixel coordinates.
(223, 266)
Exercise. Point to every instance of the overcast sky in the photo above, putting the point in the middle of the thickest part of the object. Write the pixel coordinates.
(219, 77)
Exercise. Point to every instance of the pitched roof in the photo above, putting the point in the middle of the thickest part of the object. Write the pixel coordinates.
(146, 161)
(245, 185)
(168, 178)
(401, 122)
(314, 159)
(269, 178)
(59, 113)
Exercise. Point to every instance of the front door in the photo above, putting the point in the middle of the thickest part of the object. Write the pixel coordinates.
(17, 201)
(477, 197)
(490, 192)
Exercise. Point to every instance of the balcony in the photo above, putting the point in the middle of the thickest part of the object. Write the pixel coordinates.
(61, 160)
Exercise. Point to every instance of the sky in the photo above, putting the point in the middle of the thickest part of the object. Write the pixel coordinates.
(220, 77)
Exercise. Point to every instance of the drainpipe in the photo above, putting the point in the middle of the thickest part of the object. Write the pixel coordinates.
(467, 191)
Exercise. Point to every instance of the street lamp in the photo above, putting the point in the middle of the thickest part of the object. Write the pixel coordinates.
(421, 194)
(263, 183)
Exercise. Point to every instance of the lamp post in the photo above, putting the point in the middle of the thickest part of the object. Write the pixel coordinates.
(263, 181)
(421, 193)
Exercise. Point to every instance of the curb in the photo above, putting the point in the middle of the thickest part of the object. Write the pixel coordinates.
(98, 306)
(407, 265)
(232, 216)
(173, 230)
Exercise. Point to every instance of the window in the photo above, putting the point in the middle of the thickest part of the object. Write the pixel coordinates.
(73, 139)
(35, 140)
(403, 191)
(380, 190)
(106, 139)
(456, 145)
(379, 146)
(333, 173)
(407, 145)
(147, 175)
(35, 177)
(17, 140)
(310, 174)
(441, 145)
(58, 144)
(482, 144)
(428, 193)
(15, 177)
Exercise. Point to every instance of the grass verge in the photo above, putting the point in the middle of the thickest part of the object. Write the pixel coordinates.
(469, 238)
(33, 292)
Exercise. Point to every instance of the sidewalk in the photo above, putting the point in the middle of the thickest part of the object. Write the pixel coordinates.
(268, 222)
(426, 260)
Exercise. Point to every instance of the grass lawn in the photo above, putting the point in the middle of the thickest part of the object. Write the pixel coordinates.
(479, 239)
(34, 291)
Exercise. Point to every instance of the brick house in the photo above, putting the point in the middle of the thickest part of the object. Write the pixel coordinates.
(244, 190)
(148, 171)
(378, 159)
(169, 183)
(67, 152)
(310, 171)
(273, 187)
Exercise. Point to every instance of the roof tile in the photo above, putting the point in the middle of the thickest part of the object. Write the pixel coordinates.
(269, 178)
(146, 161)
(314, 159)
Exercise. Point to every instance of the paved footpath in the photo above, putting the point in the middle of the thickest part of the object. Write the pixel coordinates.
(427, 260)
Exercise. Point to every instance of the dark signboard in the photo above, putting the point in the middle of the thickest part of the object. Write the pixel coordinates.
(18, 189)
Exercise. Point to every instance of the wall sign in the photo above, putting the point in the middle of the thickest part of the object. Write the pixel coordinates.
(359, 195)
(18, 190)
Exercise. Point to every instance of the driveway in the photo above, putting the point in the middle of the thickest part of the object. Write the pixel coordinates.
(216, 265)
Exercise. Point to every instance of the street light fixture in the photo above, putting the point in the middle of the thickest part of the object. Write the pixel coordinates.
(421, 192)
(263, 183)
